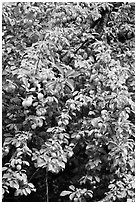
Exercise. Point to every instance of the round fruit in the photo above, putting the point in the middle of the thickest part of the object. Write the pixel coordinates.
(79, 19)
(18, 149)
(100, 124)
(104, 112)
(53, 154)
(35, 82)
(27, 102)
(24, 103)
(68, 18)
(43, 112)
(72, 106)
(85, 55)
(92, 92)
(75, 199)
(64, 19)
(18, 167)
(38, 113)
(6, 150)
(82, 39)
(61, 136)
(59, 123)
(65, 122)
(57, 20)
(40, 124)
(10, 88)
(78, 137)
(70, 154)
(94, 71)
(40, 96)
(19, 5)
(34, 126)
(98, 135)
(96, 80)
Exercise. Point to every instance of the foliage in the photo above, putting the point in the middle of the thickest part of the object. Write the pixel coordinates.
(68, 101)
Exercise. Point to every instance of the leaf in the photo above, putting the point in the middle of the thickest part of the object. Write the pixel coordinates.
(62, 164)
(60, 69)
(111, 186)
(70, 84)
(97, 179)
(72, 74)
(26, 163)
(19, 153)
(72, 196)
(30, 185)
(28, 190)
(13, 162)
(35, 104)
(64, 193)
(17, 192)
(51, 168)
(3, 190)
(95, 121)
(18, 143)
(14, 184)
(90, 194)
(4, 168)
(72, 187)
(41, 162)
(24, 191)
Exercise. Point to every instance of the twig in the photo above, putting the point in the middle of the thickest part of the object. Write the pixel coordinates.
(34, 174)
(47, 190)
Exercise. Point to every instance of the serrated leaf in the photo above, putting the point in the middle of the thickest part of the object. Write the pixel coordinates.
(64, 193)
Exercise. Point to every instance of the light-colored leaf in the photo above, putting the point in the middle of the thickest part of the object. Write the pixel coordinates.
(72, 196)
(72, 74)
(30, 185)
(64, 193)
(28, 190)
(70, 84)
(72, 187)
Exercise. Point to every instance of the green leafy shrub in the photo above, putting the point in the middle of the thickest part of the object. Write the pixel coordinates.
(68, 101)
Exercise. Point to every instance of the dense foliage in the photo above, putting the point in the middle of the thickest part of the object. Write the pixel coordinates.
(68, 101)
